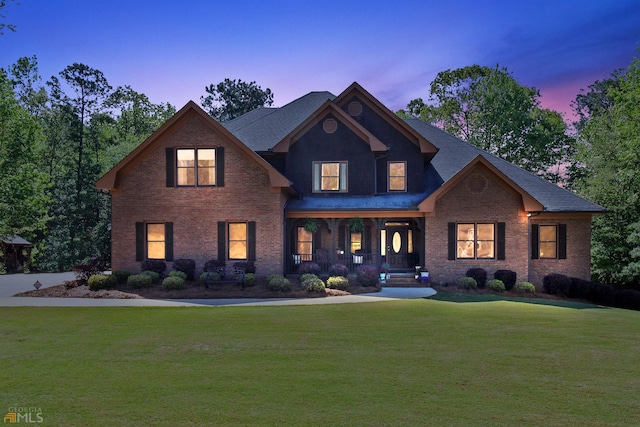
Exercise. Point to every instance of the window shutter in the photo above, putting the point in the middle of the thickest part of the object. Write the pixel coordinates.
(562, 241)
(222, 241)
(251, 231)
(170, 159)
(220, 167)
(501, 240)
(535, 241)
(316, 177)
(140, 241)
(168, 241)
(452, 240)
(343, 177)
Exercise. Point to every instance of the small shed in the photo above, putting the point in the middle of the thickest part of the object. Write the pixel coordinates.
(16, 253)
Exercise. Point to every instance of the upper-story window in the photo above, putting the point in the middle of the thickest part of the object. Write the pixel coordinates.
(397, 176)
(330, 176)
(196, 167)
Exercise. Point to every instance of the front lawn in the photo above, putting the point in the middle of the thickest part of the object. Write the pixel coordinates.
(410, 362)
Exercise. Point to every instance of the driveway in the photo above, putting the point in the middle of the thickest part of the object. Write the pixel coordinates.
(12, 284)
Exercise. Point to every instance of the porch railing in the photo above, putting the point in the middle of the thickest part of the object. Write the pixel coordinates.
(352, 261)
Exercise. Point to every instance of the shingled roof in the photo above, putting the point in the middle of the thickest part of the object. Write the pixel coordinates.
(263, 128)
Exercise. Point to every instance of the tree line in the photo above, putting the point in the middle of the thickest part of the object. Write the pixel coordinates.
(59, 137)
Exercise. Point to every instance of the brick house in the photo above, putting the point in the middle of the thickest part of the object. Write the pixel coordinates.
(338, 180)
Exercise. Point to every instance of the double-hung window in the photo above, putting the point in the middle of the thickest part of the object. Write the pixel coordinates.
(397, 176)
(155, 241)
(238, 242)
(196, 167)
(329, 176)
(476, 241)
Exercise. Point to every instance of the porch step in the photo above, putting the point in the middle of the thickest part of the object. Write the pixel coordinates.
(403, 280)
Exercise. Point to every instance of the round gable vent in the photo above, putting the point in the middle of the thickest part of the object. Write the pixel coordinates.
(330, 125)
(476, 183)
(354, 108)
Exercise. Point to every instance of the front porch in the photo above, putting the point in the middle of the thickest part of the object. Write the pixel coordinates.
(354, 242)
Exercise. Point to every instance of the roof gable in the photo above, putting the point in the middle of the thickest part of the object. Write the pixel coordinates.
(112, 179)
(329, 107)
(426, 147)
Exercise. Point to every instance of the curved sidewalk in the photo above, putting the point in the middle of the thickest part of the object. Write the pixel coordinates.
(15, 283)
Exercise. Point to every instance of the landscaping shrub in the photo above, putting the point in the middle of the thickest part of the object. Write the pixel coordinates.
(139, 280)
(556, 284)
(277, 282)
(313, 284)
(467, 282)
(173, 282)
(338, 270)
(187, 266)
(508, 277)
(367, 276)
(155, 276)
(627, 298)
(156, 265)
(496, 285)
(121, 275)
(88, 269)
(479, 275)
(338, 282)
(249, 279)
(214, 265)
(524, 288)
(579, 288)
(209, 275)
(601, 294)
(101, 281)
(309, 268)
(249, 266)
(176, 273)
(307, 276)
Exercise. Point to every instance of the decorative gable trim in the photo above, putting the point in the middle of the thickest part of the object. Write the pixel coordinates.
(426, 147)
(529, 204)
(329, 107)
(112, 180)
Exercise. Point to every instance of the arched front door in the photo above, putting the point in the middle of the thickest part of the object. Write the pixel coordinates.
(397, 245)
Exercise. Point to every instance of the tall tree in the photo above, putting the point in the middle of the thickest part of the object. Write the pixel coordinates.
(609, 149)
(232, 98)
(11, 27)
(489, 108)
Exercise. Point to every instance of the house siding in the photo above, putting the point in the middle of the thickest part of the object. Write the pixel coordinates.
(464, 204)
(195, 212)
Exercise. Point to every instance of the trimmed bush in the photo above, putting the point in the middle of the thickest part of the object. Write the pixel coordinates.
(248, 266)
(313, 284)
(367, 276)
(508, 277)
(278, 283)
(88, 269)
(121, 275)
(186, 266)
(307, 276)
(338, 282)
(556, 284)
(209, 276)
(579, 288)
(155, 276)
(249, 279)
(627, 298)
(140, 281)
(309, 268)
(338, 270)
(524, 288)
(173, 282)
(156, 265)
(180, 274)
(496, 285)
(601, 293)
(102, 281)
(467, 282)
(479, 275)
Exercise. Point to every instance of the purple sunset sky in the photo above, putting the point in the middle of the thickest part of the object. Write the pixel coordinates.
(171, 50)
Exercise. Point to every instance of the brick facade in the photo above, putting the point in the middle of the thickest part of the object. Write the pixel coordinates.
(195, 212)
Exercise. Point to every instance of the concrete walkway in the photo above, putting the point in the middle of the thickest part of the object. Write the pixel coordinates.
(12, 284)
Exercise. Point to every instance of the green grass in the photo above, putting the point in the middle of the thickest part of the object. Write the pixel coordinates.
(410, 362)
